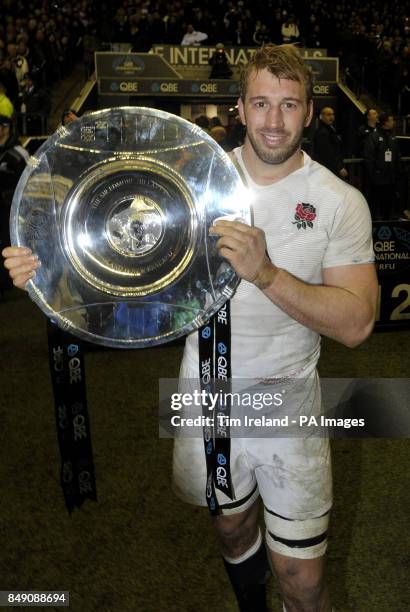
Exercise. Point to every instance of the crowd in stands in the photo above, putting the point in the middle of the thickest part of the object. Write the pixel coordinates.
(45, 38)
(41, 40)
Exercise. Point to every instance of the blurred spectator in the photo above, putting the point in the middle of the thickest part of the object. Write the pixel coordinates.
(203, 122)
(215, 122)
(290, 31)
(314, 39)
(19, 63)
(382, 164)
(220, 64)
(327, 144)
(236, 133)
(192, 38)
(91, 44)
(261, 34)
(120, 26)
(6, 106)
(240, 36)
(69, 115)
(372, 119)
(8, 78)
(218, 133)
(35, 107)
(13, 159)
(276, 27)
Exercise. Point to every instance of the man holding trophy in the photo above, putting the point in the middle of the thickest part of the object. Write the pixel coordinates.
(307, 270)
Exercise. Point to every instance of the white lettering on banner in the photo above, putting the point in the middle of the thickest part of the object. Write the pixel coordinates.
(321, 89)
(179, 55)
(79, 427)
(169, 87)
(208, 87)
(384, 245)
(128, 86)
(74, 366)
(199, 56)
(203, 55)
(398, 313)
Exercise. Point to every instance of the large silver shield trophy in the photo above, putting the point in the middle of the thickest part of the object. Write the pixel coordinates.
(118, 205)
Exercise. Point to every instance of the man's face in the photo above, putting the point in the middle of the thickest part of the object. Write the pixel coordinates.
(275, 112)
(327, 115)
(373, 115)
(69, 117)
(4, 133)
(389, 123)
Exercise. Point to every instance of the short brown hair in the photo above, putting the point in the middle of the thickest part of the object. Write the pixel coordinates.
(284, 62)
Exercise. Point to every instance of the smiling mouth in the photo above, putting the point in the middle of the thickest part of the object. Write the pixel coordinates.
(273, 138)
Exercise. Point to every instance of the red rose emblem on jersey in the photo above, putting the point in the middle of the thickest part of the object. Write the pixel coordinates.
(305, 214)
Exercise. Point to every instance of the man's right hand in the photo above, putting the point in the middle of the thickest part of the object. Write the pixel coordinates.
(21, 264)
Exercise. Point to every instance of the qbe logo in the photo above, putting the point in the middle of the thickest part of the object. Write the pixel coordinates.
(222, 348)
(209, 448)
(72, 350)
(206, 332)
(221, 459)
(384, 233)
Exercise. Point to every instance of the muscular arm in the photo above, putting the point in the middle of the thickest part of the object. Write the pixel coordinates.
(342, 308)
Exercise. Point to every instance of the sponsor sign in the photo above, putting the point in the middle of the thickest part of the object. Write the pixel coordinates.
(183, 87)
(391, 243)
(199, 56)
(168, 87)
(132, 65)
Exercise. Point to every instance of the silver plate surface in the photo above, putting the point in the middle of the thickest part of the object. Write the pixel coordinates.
(118, 206)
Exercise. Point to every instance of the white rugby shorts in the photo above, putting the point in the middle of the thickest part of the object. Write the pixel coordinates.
(292, 476)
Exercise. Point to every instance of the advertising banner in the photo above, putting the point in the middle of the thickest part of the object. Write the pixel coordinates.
(391, 240)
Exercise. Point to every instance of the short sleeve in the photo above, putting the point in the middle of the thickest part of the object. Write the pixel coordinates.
(350, 237)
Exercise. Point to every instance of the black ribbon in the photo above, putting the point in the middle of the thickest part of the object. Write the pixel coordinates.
(66, 361)
(214, 341)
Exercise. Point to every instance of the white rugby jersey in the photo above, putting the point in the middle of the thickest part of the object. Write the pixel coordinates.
(312, 220)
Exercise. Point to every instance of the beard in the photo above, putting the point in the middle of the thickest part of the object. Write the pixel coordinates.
(278, 154)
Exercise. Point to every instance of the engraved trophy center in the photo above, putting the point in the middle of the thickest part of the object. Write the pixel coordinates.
(136, 229)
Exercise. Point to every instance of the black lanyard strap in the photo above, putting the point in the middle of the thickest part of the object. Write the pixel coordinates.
(66, 361)
(214, 341)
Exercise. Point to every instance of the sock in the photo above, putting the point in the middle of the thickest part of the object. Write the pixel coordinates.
(248, 575)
